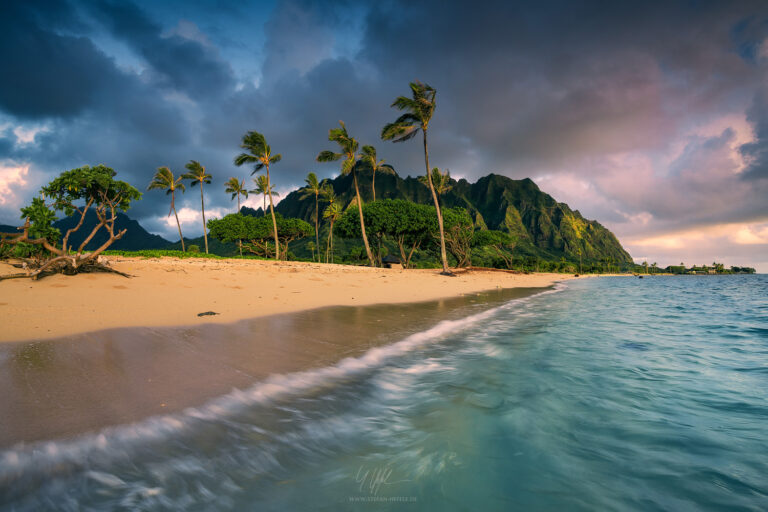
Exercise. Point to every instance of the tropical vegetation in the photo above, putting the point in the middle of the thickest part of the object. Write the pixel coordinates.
(259, 153)
(432, 221)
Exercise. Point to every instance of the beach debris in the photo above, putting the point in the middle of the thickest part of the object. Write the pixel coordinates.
(208, 313)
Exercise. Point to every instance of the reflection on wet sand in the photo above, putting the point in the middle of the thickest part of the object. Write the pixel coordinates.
(64, 387)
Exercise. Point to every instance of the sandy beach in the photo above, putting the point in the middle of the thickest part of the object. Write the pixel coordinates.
(169, 292)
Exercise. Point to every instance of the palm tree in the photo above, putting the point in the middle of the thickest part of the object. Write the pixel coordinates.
(328, 196)
(236, 188)
(441, 182)
(332, 213)
(164, 179)
(260, 154)
(261, 188)
(348, 152)
(198, 175)
(419, 110)
(369, 159)
(313, 189)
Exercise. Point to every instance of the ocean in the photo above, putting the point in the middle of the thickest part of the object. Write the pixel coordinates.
(610, 393)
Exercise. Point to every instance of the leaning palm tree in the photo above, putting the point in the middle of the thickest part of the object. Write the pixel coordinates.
(441, 181)
(369, 159)
(313, 189)
(348, 146)
(419, 109)
(260, 154)
(164, 180)
(262, 188)
(198, 175)
(332, 213)
(236, 188)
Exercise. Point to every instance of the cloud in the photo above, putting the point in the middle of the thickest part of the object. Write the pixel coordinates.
(756, 152)
(13, 180)
(739, 244)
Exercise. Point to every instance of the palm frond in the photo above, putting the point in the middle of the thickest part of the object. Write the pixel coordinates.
(328, 156)
(244, 158)
(403, 103)
(254, 142)
(399, 132)
(348, 165)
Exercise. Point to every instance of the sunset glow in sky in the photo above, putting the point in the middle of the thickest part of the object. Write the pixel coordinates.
(651, 117)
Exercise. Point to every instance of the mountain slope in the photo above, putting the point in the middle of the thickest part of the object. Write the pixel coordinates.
(542, 226)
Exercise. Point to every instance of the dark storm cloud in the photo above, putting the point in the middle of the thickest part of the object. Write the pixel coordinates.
(572, 78)
(756, 153)
(178, 63)
(46, 74)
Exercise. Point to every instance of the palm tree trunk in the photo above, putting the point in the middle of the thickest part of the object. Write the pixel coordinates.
(373, 184)
(317, 228)
(178, 224)
(239, 242)
(272, 211)
(362, 222)
(443, 256)
(264, 206)
(205, 231)
(328, 244)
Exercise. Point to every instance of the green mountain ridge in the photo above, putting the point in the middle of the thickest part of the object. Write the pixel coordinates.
(543, 227)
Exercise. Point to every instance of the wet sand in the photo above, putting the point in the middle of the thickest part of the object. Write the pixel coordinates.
(63, 387)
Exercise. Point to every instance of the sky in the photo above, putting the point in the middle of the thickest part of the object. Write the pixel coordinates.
(651, 117)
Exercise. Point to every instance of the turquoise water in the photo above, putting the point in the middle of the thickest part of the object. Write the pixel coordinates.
(603, 394)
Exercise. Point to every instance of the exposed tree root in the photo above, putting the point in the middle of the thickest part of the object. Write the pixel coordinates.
(66, 270)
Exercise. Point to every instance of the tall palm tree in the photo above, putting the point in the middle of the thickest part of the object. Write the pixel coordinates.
(236, 188)
(419, 110)
(332, 213)
(198, 175)
(369, 159)
(260, 154)
(313, 189)
(348, 153)
(441, 181)
(164, 180)
(262, 188)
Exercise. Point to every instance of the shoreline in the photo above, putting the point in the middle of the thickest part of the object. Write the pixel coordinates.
(169, 292)
(83, 383)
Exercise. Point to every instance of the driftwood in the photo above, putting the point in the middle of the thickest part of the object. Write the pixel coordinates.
(82, 269)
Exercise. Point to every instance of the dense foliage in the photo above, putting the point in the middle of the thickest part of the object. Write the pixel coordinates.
(257, 233)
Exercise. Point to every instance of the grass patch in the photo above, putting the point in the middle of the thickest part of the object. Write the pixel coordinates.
(165, 253)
